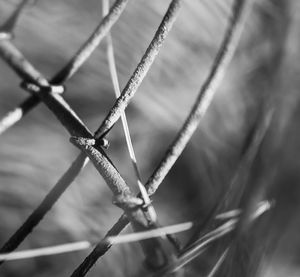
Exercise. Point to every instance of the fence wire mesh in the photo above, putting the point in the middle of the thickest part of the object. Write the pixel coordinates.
(164, 254)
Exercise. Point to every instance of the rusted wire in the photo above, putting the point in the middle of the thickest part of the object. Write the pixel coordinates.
(29, 74)
(227, 48)
(49, 92)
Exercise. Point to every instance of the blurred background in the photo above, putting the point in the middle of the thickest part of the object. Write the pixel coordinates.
(36, 151)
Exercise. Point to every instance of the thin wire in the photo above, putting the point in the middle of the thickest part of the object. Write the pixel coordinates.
(114, 77)
(241, 9)
(9, 26)
(28, 73)
(225, 53)
(37, 215)
(91, 44)
(141, 70)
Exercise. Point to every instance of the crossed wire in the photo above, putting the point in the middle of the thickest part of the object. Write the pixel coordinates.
(138, 210)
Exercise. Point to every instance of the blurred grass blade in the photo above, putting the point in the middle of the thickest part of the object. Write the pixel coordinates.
(114, 77)
(231, 198)
(229, 214)
(227, 48)
(263, 206)
(46, 251)
(218, 263)
(200, 246)
(158, 232)
(10, 119)
(141, 70)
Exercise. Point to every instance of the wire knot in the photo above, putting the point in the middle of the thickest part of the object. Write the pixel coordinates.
(38, 88)
(90, 142)
(127, 202)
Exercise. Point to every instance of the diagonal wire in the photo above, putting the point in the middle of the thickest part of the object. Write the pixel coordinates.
(239, 179)
(141, 70)
(225, 53)
(114, 77)
(91, 44)
(154, 249)
(101, 248)
(59, 107)
(241, 8)
(6, 30)
(66, 116)
(24, 70)
(131, 88)
(50, 199)
(54, 102)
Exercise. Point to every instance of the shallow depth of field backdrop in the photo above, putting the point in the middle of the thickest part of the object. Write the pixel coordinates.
(36, 151)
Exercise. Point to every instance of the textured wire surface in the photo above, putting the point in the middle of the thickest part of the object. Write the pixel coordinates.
(92, 145)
